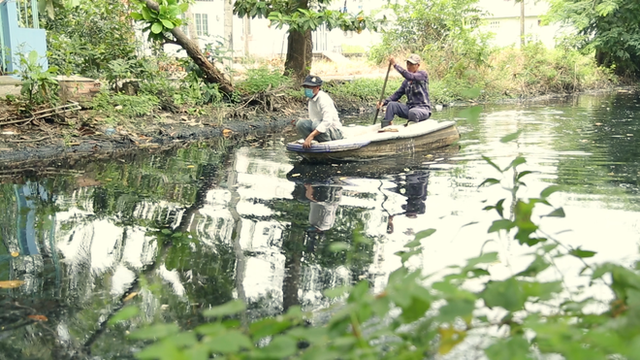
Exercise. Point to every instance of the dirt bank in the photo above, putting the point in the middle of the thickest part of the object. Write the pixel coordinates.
(43, 142)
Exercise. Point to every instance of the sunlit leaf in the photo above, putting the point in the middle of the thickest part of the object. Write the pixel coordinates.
(156, 28)
(230, 308)
(449, 338)
(523, 174)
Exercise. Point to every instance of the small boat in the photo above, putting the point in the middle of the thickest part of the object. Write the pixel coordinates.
(371, 142)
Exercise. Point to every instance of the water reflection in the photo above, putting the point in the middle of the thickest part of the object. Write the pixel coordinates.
(414, 186)
(179, 232)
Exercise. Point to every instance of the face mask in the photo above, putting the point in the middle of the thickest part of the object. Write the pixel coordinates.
(308, 93)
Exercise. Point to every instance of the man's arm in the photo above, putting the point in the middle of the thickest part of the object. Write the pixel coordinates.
(307, 141)
(416, 76)
(396, 95)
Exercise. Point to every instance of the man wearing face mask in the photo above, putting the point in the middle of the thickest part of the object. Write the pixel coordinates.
(323, 123)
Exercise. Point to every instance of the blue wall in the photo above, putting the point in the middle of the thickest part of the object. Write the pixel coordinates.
(20, 40)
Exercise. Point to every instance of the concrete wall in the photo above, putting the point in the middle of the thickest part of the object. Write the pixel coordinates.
(20, 40)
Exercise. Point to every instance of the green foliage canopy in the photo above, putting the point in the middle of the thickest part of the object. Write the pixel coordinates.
(610, 28)
(305, 15)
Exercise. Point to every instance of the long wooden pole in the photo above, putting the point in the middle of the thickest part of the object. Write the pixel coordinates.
(384, 86)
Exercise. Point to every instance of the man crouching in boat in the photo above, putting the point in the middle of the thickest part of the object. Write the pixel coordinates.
(416, 87)
(323, 123)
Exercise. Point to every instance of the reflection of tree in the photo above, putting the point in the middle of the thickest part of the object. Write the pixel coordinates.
(310, 263)
(76, 302)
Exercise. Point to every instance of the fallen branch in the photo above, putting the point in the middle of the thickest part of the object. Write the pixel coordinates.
(30, 140)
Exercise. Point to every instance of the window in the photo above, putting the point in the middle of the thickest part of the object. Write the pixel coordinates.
(202, 24)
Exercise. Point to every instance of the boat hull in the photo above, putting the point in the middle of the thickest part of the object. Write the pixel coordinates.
(361, 150)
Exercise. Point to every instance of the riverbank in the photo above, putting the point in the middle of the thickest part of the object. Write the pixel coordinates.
(115, 123)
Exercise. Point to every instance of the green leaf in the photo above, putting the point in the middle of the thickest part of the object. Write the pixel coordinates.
(230, 308)
(425, 233)
(559, 212)
(155, 332)
(507, 294)
(181, 340)
(508, 349)
(523, 174)
(136, 16)
(549, 190)
(156, 28)
(491, 163)
(486, 258)
(147, 15)
(337, 292)
(510, 137)
(502, 224)
(167, 23)
(472, 114)
(538, 265)
(456, 308)
(579, 253)
(358, 292)
(183, 7)
(489, 181)
(125, 313)
(338, 246)
(210, 329)
(160, 350)
(280, 347)
(229, 342)
(516, 162)
(267, 327)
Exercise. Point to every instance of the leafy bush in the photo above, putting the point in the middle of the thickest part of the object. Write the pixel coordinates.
(126, 105)
(38, 85)
(262, 79)
(85, 38)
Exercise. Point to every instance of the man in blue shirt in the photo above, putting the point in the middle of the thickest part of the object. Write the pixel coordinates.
(416, 87)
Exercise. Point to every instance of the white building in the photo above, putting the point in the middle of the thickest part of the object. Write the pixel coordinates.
(255, 37)
(504, 22)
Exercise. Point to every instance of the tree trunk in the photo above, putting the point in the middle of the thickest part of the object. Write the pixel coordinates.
(211, 73)
(299, 53)
(522, 41)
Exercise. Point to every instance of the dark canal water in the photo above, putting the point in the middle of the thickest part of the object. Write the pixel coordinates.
(178, 232)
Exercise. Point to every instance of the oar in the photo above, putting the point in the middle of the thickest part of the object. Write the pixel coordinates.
(384, 86)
